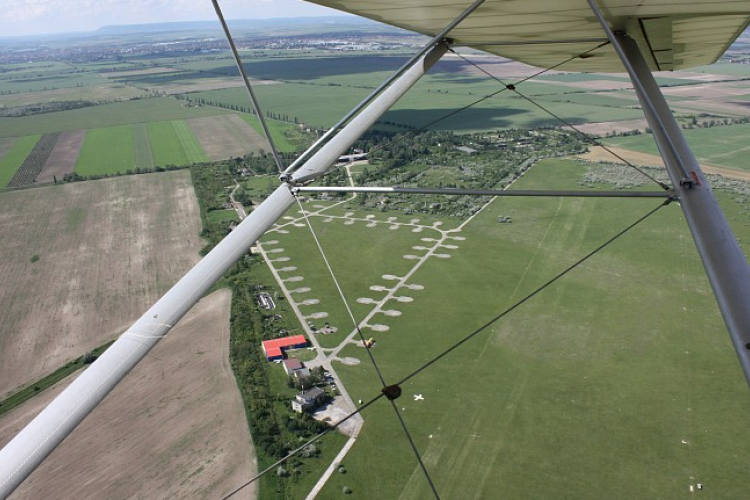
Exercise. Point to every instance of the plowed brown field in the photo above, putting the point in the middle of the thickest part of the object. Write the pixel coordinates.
(106, 250)
(226, 136)
(174, 428)
(63, 158)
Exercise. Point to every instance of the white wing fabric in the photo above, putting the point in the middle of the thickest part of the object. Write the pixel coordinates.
(672, 34)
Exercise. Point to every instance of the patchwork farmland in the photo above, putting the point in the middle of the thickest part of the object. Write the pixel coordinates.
(616, 381)
(63, 158)
(34, 163)
(125, 149)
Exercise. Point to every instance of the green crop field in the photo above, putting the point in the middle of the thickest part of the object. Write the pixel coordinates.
(724, 146)
(12, 160)
(621, 370)
(310, 104)
(325, 105)
(144, 158)
(173, 143)
(106, 115)
(106, 151)
(189, 144)
(165, 144)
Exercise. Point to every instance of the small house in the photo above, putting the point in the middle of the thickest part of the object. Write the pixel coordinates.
(291, 365)
(308, 400)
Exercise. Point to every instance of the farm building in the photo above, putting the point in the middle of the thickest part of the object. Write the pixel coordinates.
(308, 400)
(292, 365)
(274, 349)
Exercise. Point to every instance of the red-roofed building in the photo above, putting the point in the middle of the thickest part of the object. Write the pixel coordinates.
(274, 349)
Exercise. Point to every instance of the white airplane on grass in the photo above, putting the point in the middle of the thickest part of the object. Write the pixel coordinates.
(633, 36)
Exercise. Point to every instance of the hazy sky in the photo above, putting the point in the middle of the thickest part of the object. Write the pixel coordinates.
(33, 17)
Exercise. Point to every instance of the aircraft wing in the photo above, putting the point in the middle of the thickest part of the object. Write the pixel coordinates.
(672, 34)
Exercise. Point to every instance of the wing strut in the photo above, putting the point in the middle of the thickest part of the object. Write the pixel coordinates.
(41, 436)
(435, 40)
(725, 263)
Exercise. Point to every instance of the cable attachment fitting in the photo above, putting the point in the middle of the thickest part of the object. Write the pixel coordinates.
(510, 86)
(687, 182)
(671, 198)
(285, 177)
(392, 391)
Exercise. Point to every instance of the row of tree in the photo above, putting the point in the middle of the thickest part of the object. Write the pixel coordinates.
(275, 428)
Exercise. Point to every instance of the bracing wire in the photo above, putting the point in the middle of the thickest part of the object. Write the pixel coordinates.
(505, 87)
(442, 355)
(532, 294)
(565, 122)
(300, 448)
(478, 330)
(246, 80)
(369, 351)
(338, 288)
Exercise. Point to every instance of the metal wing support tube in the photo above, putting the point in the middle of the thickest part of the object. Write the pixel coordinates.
(725, 263)
(39, 438)
(428, 46)
(328, 154)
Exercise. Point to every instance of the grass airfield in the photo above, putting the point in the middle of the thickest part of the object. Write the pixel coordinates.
(617, 381)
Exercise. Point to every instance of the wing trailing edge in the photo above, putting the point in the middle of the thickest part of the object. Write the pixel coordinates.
(672, 35)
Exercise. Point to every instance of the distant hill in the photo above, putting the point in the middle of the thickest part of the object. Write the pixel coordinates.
(296, 24)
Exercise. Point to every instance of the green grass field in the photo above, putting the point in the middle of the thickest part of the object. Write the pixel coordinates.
(586, 391)
(107, 150)
(12, 160)
(724, 146)
(334, 235)
(311, 104)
